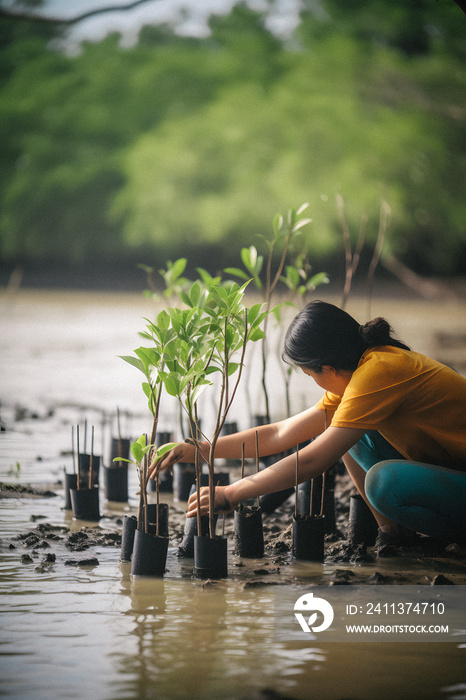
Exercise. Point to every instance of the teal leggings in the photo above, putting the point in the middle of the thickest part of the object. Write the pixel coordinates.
(423, 497)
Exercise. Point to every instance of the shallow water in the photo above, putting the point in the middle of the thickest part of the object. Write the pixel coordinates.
(73, 632)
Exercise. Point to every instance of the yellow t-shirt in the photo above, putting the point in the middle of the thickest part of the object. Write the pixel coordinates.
(416, 403)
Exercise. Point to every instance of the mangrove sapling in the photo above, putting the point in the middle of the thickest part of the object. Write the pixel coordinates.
(282, 236)
(248, 522)
(200, 524)
(150, 549)
(300, 284)
(87, 462)
(116, 474)
(232, 326)
(71, 479)
(352, 258)
(85, 497)
(213, 331)
(141, 451)
(308, 530)
(296, 279)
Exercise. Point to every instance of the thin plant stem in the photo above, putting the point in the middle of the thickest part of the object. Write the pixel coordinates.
(297, 482)
(384, 214)
(79, 469)
(240, 370)
(156, 407)
(144, 492)
(102, 435)
(119, 432)
(221, 416)
(257, 462)
(141, 503)
(324, 476)
(198, 489)
(157, 500)
(72, 449)
(351, 259)
(90, 458)
(322, 494)
(240, 507)
(118, 423)
(347, 248)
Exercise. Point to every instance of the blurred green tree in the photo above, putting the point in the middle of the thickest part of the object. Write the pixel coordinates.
(179, 143)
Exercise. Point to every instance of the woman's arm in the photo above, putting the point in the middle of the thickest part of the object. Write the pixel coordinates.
(273, 439)
(314, 459)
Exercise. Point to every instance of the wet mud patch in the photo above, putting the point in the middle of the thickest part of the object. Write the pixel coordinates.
(26, 491)
(423, 560)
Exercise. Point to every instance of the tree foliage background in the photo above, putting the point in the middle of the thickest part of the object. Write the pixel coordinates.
(184, 146)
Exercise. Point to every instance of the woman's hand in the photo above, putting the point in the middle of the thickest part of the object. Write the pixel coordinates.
(223, 501)
(183, 452)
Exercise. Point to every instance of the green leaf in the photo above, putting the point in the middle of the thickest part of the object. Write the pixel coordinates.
(172, 386)
(300, 224)
(148, 390)
(136, 451)
(253, 312)
(319, 278)
(178, 268)
(256, 334)
(165, 448)
(122, 459)
(185, 299)
(237, 271)
(194, 294)
(163, 320)
(302, 208)
(277, 224)
(292, 275)
(134, 361)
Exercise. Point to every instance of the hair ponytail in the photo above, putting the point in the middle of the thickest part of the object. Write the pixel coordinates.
(323, 334)
(379, 332)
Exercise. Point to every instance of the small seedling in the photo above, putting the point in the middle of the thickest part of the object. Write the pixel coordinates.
(15, 470)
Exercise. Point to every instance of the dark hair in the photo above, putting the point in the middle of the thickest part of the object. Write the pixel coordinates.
(323, 334)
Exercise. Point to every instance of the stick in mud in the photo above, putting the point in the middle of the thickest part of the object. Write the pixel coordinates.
(79, 470)
(85, 436)
(72, 449)
(90, 460)
(119, 433)
(103, 424)
(257, 463)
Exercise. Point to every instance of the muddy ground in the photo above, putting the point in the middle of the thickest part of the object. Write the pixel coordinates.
(423, 561)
